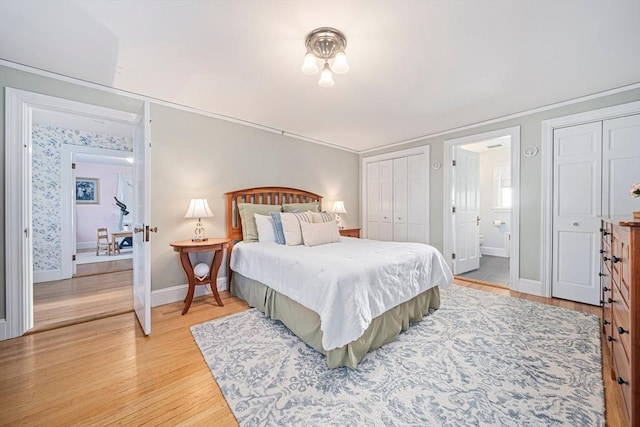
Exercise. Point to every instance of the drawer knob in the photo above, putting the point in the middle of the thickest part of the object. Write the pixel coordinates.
(601, 274)
(605, 233)
(615, 259)
(601, 251)
(620, 381)
(605, 289)
(606, 322)
(610, 301)
(621, 330)
(605, 258)
(610, 338)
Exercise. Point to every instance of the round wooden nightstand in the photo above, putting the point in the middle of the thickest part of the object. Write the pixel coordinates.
(185, 247)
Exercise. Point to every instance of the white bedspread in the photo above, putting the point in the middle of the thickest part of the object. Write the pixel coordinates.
(347, 283)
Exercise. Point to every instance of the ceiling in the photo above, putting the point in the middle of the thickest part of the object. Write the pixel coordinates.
(417, 67)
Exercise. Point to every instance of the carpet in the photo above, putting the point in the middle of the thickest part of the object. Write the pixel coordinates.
(482, 359)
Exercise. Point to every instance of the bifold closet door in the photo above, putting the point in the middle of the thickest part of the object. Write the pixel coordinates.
(577, 154)
(594, 166)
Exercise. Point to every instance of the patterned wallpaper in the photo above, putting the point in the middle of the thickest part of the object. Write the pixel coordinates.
(47, 186)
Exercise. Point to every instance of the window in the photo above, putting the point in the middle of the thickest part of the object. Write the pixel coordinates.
(502, 187)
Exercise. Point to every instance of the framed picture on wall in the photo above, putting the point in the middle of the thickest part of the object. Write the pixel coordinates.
(88, 191)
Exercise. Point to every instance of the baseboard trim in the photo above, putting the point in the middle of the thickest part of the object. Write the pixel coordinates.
(177, 293)
(485, 250)
(3, 329)
(47, 275)
(527, 286)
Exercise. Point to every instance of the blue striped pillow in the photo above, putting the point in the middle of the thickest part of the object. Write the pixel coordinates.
(277, 226)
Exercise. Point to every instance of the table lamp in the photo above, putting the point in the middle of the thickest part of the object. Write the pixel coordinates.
(199, 208)
(338, 208)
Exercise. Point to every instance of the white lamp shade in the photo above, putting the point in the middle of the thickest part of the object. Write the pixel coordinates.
(338, 207)
(309, 66)
(198, 208)
(340, 65)
(326, 78)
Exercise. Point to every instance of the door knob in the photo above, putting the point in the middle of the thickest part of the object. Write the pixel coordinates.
(138, 230)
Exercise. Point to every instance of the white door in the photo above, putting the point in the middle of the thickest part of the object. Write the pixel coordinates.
(466, 222)
(142, 220)
(386, 200)
(577, 202)
(417, 194)
(620, 164)
(373, 200)
(400, 207)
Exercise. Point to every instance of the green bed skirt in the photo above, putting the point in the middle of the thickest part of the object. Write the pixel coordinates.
(305, 323)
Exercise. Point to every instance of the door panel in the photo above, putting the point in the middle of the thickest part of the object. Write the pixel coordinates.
(141, 221)
(576, 206)
(386, 200)
(373, 201)
(400, 200)
(466, 176)
(417, 202)
(620, 164)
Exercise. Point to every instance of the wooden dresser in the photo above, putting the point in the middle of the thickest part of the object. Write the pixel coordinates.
(620, 280)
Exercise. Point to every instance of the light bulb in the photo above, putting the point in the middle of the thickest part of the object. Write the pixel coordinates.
(309, 66)
(326, 78)
(340, 65)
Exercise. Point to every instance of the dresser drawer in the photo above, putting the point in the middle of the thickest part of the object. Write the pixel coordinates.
(622, 376)
(621, 329)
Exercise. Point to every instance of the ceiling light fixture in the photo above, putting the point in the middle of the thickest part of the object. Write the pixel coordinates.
(325, 45)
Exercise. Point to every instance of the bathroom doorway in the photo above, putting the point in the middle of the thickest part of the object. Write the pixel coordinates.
(481, 223)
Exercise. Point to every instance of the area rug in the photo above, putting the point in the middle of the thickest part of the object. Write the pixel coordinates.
(480, 360)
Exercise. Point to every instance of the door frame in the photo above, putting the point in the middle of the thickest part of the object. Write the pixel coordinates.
(19, 106)
(514, 259)
(548, 127)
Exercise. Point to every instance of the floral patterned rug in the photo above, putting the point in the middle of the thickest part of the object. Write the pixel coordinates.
(481, 359)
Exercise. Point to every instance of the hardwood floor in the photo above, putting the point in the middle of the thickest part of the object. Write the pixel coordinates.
(81, 299)
(107, 372)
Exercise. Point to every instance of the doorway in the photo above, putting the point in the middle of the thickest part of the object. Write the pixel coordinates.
(68, 150)
(20, 106)
(482, 212)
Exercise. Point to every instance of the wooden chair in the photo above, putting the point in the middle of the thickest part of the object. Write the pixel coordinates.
(103, 243)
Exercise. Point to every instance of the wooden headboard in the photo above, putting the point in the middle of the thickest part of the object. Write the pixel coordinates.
(262, 196)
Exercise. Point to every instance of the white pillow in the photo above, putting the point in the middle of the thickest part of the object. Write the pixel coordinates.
(319, 233)
(291, 227)
(321, 216)
(266, 230)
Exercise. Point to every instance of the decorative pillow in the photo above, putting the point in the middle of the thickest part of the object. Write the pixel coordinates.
(321, 216)
(247, 210)
(315, 234)
(291, 227)
(266, 231)
(277, 227)
(302, 207)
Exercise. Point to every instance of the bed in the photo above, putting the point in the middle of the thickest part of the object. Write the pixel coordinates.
(343, 299)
